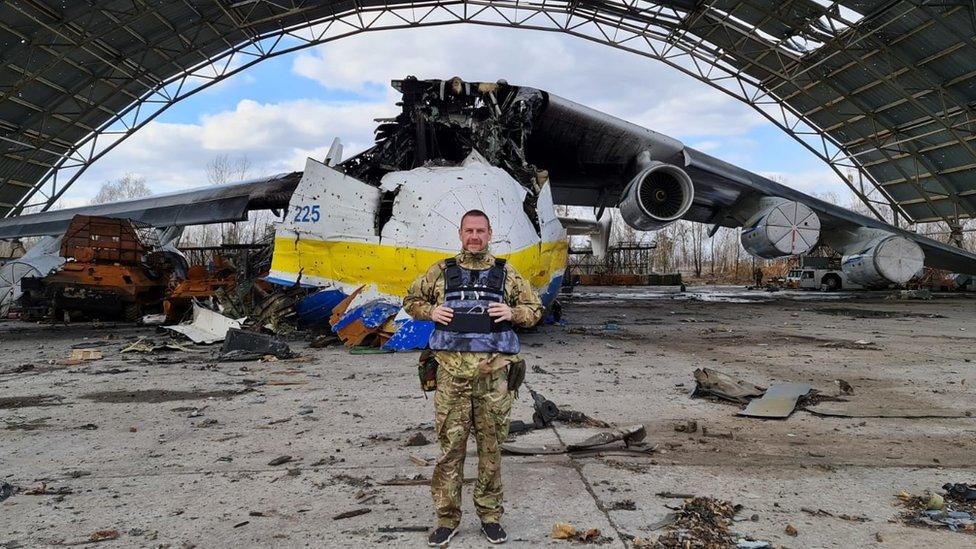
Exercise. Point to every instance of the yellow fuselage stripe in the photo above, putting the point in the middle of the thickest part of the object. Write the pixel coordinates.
(392, 269)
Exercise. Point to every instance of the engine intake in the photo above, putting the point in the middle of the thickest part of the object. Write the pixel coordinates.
(884, 260)
(657, 196)
(780, 228)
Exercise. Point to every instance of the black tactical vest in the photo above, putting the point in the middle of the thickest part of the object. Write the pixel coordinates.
(468, 293)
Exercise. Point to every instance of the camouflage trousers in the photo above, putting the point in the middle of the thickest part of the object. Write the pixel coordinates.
(460, 404)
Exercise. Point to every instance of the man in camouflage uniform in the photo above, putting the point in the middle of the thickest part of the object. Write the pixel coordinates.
(472, 387)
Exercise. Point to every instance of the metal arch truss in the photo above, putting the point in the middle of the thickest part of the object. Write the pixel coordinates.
(653, 30)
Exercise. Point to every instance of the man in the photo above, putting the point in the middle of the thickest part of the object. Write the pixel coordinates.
(473, 299)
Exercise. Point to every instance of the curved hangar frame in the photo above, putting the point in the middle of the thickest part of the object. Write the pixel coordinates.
(885, 90)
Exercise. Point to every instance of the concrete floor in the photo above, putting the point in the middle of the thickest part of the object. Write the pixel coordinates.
(174, 450)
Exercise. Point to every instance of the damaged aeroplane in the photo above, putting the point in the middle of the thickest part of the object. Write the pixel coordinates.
(379, 218)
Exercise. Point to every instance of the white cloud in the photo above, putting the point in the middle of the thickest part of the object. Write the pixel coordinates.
(276, 137)
(630, 86)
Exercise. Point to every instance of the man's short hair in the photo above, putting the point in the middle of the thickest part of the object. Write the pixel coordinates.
(476, 213)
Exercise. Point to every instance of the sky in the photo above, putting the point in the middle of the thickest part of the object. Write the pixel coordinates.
(287, 108)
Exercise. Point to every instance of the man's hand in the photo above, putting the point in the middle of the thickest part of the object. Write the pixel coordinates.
(500, 312)
(442, 315)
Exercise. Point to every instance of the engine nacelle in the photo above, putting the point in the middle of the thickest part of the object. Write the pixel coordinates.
(779, 228)
(883, 260)
(657, 196)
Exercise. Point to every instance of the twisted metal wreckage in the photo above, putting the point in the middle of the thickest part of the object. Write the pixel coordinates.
(355, 233)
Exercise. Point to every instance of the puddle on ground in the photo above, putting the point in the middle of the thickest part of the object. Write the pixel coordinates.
(872, 313)
(11, 403)
(153, 396)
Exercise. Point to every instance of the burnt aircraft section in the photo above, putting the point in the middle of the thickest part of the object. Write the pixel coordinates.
(442, 122)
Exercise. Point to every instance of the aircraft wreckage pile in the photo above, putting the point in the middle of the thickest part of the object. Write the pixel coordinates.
(107, 268)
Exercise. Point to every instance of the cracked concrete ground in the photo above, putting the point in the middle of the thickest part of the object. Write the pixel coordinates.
(174, 449)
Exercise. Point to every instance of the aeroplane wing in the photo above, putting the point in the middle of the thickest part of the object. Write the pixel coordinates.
(592, 156)
(215, 204)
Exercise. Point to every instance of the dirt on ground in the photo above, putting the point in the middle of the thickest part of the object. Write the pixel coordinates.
(335, 449)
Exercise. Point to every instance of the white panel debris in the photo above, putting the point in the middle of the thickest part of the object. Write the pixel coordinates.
(207, 326)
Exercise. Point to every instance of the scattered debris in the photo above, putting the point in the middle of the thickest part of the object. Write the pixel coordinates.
(791, 530)
(280, 460)
(624, 505)
(915, 294)
(860, 344)
(324, 340)
(6, 490)
(673, 495)
(353, 513)
(778, 402)
(701, 522)
(932, 510)
(845, 387)
(43, 490)
(418, 439)
(561, 530)
(148, 346)
(239, 344)
(104, 535)
(690, 426)
(714, 383)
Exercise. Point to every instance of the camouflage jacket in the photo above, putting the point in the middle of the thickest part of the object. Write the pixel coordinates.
(428, 291)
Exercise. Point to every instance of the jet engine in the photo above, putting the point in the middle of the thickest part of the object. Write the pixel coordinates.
(886, 259)
(656, 197)
(780, 227)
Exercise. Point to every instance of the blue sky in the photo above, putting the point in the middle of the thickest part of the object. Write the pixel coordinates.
(286, 108)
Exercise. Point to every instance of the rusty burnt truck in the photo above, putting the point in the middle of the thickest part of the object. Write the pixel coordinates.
(108, 273)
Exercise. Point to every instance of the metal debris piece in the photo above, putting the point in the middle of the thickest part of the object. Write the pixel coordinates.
(207, 326)
(889, 408)
(410, 335)
(201, 283)
(402, 529)
(252, 343)
(960, 491)
(778, 402)
(629, 435)
(712, 382)
(366, 325)
(280, 460)
(353, 513)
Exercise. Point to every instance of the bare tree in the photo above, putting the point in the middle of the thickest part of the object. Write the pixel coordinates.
(224, 169)
(127, 187)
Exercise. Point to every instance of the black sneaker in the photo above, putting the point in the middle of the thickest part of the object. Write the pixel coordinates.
(441, 536)
(494, 532)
